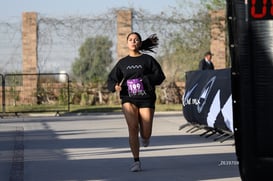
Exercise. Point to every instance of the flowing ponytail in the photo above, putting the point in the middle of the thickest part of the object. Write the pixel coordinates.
(148, 44)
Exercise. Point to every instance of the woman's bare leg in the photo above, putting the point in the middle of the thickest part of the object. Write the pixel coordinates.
(131, 113)
(146, 116)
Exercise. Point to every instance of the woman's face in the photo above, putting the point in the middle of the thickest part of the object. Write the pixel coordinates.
(133, 42)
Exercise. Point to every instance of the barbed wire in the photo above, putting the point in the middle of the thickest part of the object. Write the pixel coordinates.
(66, 35)
(10, 45)
(59, 38)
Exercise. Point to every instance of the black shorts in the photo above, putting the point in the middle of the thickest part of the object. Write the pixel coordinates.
(140, 103)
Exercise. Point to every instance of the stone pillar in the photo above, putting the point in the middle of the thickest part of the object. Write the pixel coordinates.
(124, 27)
(218, 39)
(29, 49)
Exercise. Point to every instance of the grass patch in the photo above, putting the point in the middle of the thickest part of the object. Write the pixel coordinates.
(168, 107)
(117, 108)
(82, 109)
(96, 108)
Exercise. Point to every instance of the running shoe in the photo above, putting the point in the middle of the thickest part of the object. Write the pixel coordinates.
(145, 142)
(136, 167)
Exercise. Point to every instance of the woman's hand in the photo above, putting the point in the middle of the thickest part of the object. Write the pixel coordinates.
(118, 87)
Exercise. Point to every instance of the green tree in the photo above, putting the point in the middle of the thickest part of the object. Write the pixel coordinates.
(190, 39)
(94, 57)
(187, 43)
(214, 4)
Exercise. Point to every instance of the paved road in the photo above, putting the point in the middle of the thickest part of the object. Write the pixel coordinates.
(95, 147)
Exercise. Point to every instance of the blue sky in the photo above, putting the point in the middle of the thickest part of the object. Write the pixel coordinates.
(14, 8)
(11, 12)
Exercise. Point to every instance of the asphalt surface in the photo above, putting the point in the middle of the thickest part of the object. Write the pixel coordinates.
(95, 147)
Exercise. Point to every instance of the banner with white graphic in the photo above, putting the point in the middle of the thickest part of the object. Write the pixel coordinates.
(207, 99)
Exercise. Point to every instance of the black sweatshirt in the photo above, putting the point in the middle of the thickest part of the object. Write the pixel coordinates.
(144, 68)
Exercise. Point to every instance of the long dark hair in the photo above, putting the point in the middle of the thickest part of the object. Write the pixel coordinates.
(148, 44)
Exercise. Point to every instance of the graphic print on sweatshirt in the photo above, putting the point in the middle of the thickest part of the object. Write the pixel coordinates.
(134, 67)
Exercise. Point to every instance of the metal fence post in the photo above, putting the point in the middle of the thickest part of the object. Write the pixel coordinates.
(3, 94)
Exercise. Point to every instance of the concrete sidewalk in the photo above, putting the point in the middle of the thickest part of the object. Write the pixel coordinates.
(95, 147)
